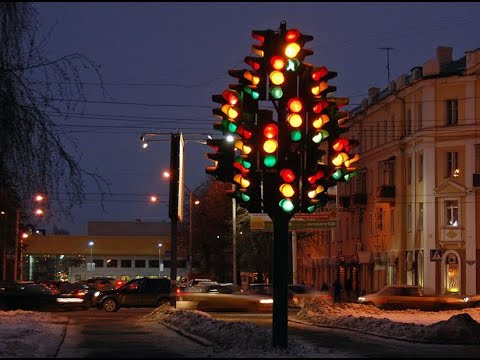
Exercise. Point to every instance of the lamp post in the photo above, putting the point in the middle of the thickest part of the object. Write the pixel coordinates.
(90, 245)
(160, 260)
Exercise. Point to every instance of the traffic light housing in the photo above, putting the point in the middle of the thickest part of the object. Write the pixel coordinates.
(267, 141)
(343, 159)
(223, 158)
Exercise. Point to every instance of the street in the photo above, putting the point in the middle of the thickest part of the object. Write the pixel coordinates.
(95, 333)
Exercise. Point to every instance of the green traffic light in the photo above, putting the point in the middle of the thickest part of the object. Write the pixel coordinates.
(337, 174)
(232, 127)
(254, 94)
(286, 205)
(245, 197)
(276, 92)
(322, 135)
(270, 161)
(349, 176)
(311, 208)
(296, 135)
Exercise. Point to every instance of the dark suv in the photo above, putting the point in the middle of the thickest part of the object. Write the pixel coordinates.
(144, 292)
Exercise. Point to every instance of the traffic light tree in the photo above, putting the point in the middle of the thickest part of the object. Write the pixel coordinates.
(284, 161)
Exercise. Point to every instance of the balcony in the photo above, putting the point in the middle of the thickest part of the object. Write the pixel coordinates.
(386, 193)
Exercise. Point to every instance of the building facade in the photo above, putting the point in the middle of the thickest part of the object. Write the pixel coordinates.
(121, 250)
(410, 215)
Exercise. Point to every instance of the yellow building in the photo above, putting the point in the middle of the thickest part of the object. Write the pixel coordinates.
(122, 250)
(419, 179)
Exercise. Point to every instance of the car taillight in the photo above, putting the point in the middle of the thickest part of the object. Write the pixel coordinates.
(119, 283)
(81, 293)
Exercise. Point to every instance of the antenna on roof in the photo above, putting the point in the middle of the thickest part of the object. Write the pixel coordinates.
(387, 48)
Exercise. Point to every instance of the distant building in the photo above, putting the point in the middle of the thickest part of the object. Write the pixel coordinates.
(122, 250)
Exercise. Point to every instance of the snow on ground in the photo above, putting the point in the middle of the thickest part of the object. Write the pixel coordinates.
(37, 334)
(30, 334)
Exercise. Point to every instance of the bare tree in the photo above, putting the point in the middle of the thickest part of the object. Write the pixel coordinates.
(33, 151)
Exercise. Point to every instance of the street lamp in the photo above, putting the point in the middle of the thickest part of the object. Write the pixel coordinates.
(159, 260)
(90, 245)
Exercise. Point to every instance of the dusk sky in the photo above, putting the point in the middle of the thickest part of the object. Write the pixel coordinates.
(162, 62)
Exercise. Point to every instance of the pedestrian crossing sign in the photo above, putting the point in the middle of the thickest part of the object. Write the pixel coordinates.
(435, 255)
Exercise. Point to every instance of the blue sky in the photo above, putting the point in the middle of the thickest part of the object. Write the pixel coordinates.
(161, 62)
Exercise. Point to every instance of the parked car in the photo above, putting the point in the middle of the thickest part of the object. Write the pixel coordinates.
(401, 297)
(26, 295)
(219, 297)
(144, 292)
(297, 294)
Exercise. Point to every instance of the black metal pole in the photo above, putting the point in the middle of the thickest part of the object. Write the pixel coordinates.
(173, 214)
(280, 281)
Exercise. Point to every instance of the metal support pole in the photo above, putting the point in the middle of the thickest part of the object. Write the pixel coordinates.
(190, 245)
(280, 282)
(234, 238)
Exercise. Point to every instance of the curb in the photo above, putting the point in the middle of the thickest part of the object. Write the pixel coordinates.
(195, 338)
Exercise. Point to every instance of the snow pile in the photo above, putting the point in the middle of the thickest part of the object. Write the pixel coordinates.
(232, 339)
(459, 328)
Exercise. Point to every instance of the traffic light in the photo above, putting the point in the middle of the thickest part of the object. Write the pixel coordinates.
(318, 85)
(342, 159)
(294, 51)
(229, 112)
(262, 51)
(248, 197)
(296, 119)
(287, 190)
(267, 132)
(223, 158)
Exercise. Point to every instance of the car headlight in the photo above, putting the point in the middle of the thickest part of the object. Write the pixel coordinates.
(97, 294)
(266, 301)
(361, 299)
(466, 299)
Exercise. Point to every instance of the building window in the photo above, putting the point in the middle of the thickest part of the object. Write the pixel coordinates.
(393, 127)
(453, 273)
(409, 217)
(126, 263)
(409, 171)
(452, 164)
(419, 116)
(139, 263)
(409, 122)
(392, 220)
(420, 216)
(386, 173)
(112, 263)
(153, 263)
(371, 224)
(451, 212)
(420, 167)
(477, 158)
(98, 263)
(385, 132)
(452, 112)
